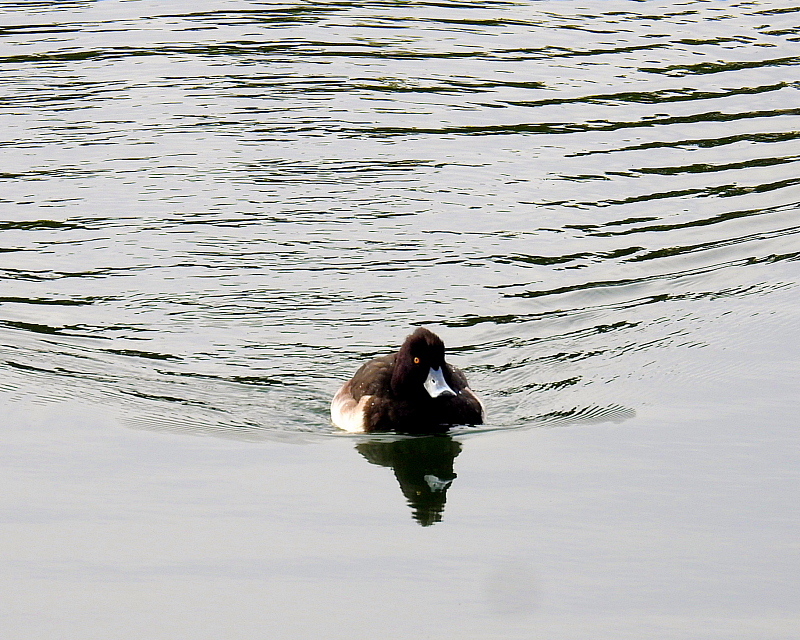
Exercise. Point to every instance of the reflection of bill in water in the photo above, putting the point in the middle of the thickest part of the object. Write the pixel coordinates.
(424, 468)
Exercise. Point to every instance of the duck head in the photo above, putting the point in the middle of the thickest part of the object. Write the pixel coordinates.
(420, 366)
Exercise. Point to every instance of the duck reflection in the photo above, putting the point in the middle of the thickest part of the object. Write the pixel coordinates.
(424, 468)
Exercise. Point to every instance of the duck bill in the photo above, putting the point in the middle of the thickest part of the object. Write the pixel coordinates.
(436, 386)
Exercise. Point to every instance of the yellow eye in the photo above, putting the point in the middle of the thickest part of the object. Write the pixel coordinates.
(416, 360)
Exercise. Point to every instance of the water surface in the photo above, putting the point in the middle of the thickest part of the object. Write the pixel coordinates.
(212, 212)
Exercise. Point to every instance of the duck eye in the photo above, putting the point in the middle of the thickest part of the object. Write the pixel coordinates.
(416, 360)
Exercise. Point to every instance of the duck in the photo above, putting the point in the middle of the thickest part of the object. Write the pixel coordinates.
(412, 391)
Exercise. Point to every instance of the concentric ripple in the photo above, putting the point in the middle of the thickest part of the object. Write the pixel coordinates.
(211, 217)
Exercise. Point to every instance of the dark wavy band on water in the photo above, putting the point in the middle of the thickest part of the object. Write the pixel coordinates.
(210, 218)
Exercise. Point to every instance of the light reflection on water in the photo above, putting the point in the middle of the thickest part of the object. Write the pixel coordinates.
(213, 216)
(211, 213)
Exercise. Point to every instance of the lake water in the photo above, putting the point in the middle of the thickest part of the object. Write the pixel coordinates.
(212, 212)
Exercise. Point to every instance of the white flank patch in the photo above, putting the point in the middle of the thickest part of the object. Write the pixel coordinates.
(346, 413)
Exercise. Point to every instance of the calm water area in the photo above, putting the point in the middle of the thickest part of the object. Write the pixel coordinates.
(212, 212)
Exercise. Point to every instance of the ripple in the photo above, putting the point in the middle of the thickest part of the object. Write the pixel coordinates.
(215, 215)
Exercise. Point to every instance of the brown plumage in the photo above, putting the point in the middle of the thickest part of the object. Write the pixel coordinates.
(411, 391)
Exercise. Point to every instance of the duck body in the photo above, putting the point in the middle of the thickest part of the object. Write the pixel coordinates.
(411, 391)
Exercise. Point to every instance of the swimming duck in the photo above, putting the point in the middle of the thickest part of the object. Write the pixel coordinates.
(411, 391)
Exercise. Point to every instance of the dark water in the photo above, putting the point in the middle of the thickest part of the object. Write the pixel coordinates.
(212, 212)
